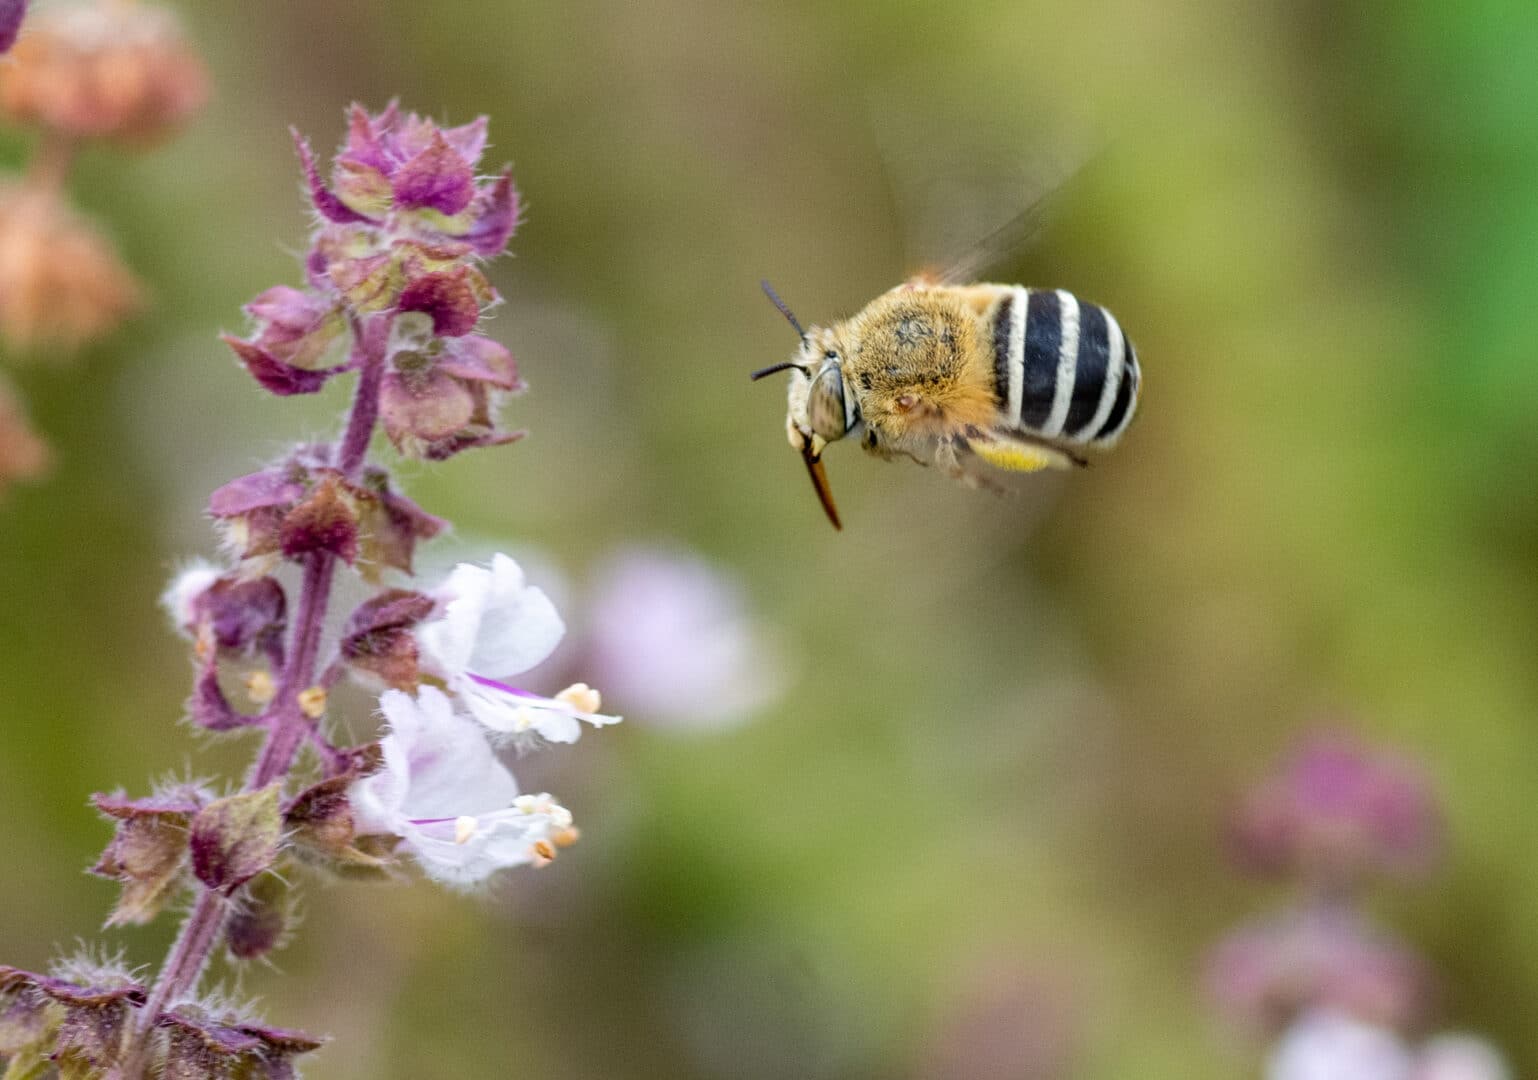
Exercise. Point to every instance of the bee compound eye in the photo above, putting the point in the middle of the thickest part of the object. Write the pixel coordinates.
(825, 404)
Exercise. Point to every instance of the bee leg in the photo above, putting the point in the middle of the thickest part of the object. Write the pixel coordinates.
(961, 463)
(873, 445)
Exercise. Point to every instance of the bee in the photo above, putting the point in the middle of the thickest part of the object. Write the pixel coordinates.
(967, 378)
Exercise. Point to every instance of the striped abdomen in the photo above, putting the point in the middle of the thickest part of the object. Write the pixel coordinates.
(1063, 369)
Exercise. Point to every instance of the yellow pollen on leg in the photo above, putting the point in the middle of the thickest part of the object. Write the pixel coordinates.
(580, 696)
(312, 702)
(260, 686)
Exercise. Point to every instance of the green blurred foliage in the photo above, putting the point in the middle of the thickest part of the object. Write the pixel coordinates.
(1018, 721)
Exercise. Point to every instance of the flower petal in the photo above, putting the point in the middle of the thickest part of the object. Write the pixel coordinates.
(450, 768)
(329, 206)
(496, 217)
(435, 179)
(493, 624)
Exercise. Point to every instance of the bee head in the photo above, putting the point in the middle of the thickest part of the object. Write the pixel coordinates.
(819, 410)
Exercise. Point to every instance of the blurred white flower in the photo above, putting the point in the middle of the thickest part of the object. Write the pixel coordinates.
(1460, 1057)
(672, 639)
(494, 626)
(1330, 1046)
(442, 790)
(190, 582)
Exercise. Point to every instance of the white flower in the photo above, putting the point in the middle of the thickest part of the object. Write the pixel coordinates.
(442, 790)
(1331, 1046)
(493, 627)
(1460, 1057)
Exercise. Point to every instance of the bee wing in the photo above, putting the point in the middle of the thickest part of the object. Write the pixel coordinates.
(997, 246)
(952, 182)
(1010, 238)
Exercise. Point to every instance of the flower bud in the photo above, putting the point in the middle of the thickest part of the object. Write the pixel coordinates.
(299, 328)
(260, 919)
(226, 613)
(390, 526)
(250, 509)
(103, 69)
(148, 852)
(29, 1021)
(61, 284)
(235, 838)
(452, 298)
(321, 823)
(441, 401)
(273, 374)
(325, 520)
(423, 175)
(203, 1042)
(378, 638)
(298, 506)
(74, 1018)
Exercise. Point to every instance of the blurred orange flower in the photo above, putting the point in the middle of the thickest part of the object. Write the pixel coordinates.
(109, 69)
(61, 282)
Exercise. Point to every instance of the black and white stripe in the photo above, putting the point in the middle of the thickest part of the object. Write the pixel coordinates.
(1064, 369)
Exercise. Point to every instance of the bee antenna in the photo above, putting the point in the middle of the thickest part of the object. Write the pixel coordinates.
(774, 298)
(772, 368)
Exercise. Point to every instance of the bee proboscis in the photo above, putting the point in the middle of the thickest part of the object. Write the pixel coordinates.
(964, 377)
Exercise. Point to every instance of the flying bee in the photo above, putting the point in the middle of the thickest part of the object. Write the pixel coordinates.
(967, 378)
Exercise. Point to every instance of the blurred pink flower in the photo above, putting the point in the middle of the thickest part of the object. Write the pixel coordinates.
(1265, 974)
(11, 14)
(1339, 812)
(672, 638)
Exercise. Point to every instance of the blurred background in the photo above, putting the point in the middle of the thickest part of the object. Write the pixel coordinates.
(965, 790)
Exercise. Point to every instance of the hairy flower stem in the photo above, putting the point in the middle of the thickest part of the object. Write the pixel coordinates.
(188, 956)
(371, 339)
(51, 161)
(287, 726)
